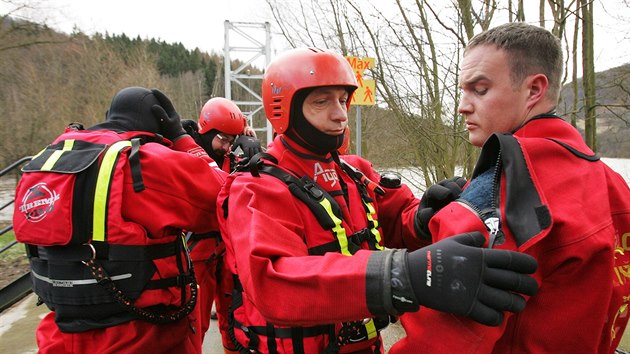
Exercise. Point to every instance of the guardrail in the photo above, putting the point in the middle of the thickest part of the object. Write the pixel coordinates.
(20, 287)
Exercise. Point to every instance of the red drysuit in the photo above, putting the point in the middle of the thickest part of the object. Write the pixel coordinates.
(179, 190)
(581, 306)
(273, 243)
(213, 277)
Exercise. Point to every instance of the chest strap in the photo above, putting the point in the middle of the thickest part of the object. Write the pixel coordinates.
(321, 203)
(325, 207)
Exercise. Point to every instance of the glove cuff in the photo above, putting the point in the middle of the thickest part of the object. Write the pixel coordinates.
(176, 138)
(403, 296)
(388, 286)
(378, 279)
(421, 223)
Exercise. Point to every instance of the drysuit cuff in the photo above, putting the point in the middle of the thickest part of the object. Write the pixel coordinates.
(388, 287)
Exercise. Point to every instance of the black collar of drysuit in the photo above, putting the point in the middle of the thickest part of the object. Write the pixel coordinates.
(115, 126)
(307, 155)
(548, 115)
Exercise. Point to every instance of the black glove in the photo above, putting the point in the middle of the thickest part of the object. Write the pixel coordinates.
(456, 276)
(191, 128)
(249, 145)
(435, 198)
(169, 120)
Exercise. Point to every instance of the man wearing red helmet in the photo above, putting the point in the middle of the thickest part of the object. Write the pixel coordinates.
(315, 241)
(220, 129)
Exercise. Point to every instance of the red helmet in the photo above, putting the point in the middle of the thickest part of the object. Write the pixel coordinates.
(223, 115)
(298, 69)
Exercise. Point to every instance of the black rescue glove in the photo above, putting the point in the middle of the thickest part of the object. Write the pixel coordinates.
(456, 276)
(249, 145)
(191, 128)
(435, 198)
(169, 120)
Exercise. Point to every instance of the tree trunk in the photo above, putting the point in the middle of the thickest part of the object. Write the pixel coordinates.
(588, 75)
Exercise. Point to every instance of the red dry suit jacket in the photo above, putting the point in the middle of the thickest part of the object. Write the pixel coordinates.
(582, 272)
(268, 232)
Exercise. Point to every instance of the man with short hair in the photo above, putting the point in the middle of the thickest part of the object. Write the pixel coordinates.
(538, 189)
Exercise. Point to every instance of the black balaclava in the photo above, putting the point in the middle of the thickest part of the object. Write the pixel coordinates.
(130, 110)
(205, 141)
(305, 134)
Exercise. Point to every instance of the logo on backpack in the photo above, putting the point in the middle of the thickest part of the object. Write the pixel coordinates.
(38, 201)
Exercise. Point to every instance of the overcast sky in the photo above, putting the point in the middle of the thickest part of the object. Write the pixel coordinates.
(200, 23)
(194, 23)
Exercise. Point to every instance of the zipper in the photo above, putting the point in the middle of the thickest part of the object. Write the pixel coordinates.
(493, 222)
(491, 216)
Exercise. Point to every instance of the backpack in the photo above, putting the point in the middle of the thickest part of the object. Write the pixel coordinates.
(65, 200)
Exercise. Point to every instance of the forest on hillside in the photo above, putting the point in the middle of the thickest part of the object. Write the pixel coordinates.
(613, 110)
(50, 79)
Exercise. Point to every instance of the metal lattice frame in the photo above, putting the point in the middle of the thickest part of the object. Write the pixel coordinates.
(257, 49)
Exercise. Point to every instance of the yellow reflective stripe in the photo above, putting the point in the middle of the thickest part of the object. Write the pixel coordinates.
(374, 229)
(54, 157)
(39, 153)
(101, 193)
(371, 329)
(338, 230)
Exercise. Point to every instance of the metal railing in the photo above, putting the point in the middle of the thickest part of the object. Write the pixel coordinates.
(20, 287)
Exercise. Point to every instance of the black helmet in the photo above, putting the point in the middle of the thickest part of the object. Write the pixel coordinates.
(130, 110)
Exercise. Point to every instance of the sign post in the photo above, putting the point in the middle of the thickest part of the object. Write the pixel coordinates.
(364, 94)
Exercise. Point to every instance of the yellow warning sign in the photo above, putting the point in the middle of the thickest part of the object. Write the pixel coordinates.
(364, 95)
(366, 92)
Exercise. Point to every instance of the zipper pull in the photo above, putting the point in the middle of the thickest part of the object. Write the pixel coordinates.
(493, 224)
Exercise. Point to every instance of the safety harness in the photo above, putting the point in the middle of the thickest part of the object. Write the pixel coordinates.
(329, 216)
(89, 282)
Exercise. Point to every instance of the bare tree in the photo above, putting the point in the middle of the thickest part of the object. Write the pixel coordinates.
(46, 87)
(417, 45)
(588, 74)
(574, 73)
(17, 31)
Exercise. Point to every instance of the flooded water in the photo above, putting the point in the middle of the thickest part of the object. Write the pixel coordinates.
(7, 191)
(621, 166)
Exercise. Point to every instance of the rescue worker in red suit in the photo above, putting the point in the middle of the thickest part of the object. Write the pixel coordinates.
(306, 231)
(221, 128)
(546, 194)
(178, 192)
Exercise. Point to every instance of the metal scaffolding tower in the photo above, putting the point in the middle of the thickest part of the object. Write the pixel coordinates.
(257, 46)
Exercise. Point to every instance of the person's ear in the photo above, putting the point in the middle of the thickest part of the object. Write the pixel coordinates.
(537, 86)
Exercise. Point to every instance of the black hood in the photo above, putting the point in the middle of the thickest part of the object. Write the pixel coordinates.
(130, 110)
(305, 134)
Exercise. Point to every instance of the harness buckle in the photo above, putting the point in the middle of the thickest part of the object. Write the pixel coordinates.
(314, 191)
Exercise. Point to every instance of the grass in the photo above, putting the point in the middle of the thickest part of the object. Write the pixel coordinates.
(13, 261)
(15, 251)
